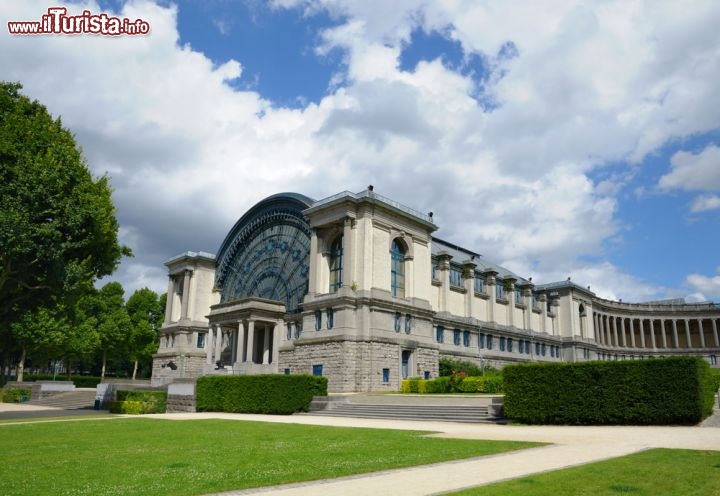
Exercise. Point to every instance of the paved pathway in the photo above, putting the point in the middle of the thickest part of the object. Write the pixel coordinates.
(571, 446)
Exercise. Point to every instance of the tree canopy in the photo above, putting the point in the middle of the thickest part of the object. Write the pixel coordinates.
(58, 231)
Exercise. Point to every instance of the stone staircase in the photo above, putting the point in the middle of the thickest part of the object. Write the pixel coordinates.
(406, 407)
(79, 399)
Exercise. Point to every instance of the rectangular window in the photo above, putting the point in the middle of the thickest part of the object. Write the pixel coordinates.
(489, 341)
(521, 346)
(499, 289)
(289, 331)
(456, 337)
(287, 371)
(502, 343)
(466, 338)
(537, 349)
(330, 318)
(440, 334)
(518, 295)
(455, 277)
(298, 328)
(201, 340)
(434, 272)
(479, 284)
(317, 369)
(397, 322)
(386, 375)
(318, 320)
(426, 375)
(509, 345)
(543, 349)
(481, 340)
(408, 323)
(527, 348)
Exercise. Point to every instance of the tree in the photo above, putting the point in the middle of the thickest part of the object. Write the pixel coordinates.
(58, 231)
(114, 327)
(146, 314)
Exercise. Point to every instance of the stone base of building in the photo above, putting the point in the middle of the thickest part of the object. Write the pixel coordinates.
(171, 366)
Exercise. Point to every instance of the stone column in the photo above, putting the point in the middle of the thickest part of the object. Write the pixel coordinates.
(702, 333)
(687, 333)
(443, 273)
(632, 333)
(615, 331)
(169, 299)
(676, 342)
(312, 274)
(652, 333)
(595, 327)
(277, 332)
(642, 334)
(664, 333)
(209, 345)
(186, 294)
(622, 330)
(266, 345)
(218, 342)
(715, 333)
(239, 355)
(468, 269)
(348, 275)
(250, 342)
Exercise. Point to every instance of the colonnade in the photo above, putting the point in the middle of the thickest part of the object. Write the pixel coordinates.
(243, 341)
(655, 332)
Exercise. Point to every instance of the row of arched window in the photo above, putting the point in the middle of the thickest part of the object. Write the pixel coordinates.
(398, 252)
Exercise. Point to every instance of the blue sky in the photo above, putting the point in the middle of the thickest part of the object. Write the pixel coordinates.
(556, 138)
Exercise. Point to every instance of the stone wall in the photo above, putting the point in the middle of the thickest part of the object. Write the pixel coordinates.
(192, 365)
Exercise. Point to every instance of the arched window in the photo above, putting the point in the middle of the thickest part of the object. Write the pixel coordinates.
(336, 264)
(397, 269)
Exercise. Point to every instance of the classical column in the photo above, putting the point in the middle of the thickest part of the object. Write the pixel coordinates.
(312, 274)
(687, 333)
(652, 333)
(266, 345)
(595, 327)
(702, 333)
(632, 333)
(622, 330)
(239, 356)
(218, 342)
(209, 345)
(348, 275)
(642, 334)
(676, 342)
(169, 300)
(277, 332)
(664, 333)
(186, 294)
(715, 333)
(251, 342)
(615, 331)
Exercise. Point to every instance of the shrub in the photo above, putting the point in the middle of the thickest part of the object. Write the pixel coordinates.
(15, 395)
(492, 384)
(448, 367)
(269, 394)
(139, 402)
(674, 390)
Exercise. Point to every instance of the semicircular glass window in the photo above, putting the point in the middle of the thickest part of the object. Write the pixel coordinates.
(270, 260)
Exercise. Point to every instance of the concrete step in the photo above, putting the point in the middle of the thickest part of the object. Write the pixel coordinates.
(71, 400)
(409, 412)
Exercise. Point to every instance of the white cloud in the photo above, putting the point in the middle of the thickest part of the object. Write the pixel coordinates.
(591, 84)
(704, 288)
(704, 203)
(694, 171)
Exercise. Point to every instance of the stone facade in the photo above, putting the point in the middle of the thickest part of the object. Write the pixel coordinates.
(356, 288)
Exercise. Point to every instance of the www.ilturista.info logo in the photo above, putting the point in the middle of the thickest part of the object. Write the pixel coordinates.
(56, 21)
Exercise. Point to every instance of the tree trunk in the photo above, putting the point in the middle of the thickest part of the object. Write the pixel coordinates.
(135, 367)
(21, 365)
(104, 361)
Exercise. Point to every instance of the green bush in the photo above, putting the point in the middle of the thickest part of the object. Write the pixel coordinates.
(15, 395)
(268, 394)
(139, 402)
(448, 366)
(674, 390)
(489, 384)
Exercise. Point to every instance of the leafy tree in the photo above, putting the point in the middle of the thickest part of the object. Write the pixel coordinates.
(146, 314)
(114, 326)
(41, 332)
(58, 231)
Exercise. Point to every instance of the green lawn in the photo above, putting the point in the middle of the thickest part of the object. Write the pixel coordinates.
(153, 456)
(655, 472)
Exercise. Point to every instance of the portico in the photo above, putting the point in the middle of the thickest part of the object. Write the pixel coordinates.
(244, 336)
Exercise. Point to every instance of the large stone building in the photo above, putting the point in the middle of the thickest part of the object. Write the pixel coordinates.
(355, 288)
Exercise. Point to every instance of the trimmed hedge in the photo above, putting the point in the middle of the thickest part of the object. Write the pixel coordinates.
(81, 381)
(490, 384)
(675, 390)
(268, 393)
(139, 402)
(14, 395)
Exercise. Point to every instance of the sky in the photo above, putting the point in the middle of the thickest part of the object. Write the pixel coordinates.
(556, 138)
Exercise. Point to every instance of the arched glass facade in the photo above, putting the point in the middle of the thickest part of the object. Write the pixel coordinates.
(266, 253)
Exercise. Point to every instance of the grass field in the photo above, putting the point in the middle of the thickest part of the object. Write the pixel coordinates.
(154, 456)
(650, 473)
